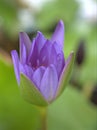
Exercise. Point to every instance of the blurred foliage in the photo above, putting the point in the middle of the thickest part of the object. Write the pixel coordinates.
(56, 10)
(8, 16)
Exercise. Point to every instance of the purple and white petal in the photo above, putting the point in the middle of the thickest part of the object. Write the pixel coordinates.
(44, 57)
(37, 76)
(33, 55)
(30, 56)
(15, 60)
(23, 54)
(53, 56)
(59, 58)
(40, 41)
(29, 71)
(37, 44)
(24, 39)
(49, 83)
(58, 35)
(65, 74)
(26, 70)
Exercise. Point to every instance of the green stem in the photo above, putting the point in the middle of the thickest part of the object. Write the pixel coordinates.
(43, 114)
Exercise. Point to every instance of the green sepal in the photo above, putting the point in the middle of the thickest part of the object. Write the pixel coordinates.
(30, 93)
(65, 75)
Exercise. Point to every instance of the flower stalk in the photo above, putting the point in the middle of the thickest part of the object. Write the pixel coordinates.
(43, 117)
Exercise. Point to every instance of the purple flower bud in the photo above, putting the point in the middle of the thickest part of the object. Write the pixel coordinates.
(42, 71)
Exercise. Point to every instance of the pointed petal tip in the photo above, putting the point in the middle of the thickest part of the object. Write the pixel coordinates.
(70, 58)
(23, 34)
(61, 22)
(15, 60)
(12, 52)
(72, 54)
(58, 34)
(39, 34)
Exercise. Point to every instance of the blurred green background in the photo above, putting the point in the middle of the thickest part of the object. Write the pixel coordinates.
(76, 109)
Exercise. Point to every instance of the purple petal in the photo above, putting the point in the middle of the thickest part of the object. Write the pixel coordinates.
(60, 64)
(22, 69)
(49, 83)
(57, 58)
(26, 70)
(53, 56)
(23, 54)
(15, 60)
(31, 51)
(25, 45)
(58, 35)
(29, 71)
(44, 57)
(24, 39)
(32, 59)
(37, 45)
(37, 76)
(40, 40)
(57, 47)
(65, 74)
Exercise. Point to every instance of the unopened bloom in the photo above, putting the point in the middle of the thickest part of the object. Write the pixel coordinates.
(42, 71)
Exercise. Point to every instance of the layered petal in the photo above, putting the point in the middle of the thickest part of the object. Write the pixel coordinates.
(26, 70)
(40, 40)
(29, 71)
(65, 74)
(37, 45)
(15, 60)
(23, 54)
(57, 58)
(53, 56)
(44, 57)
(24, 39)
(25, 46)
(37, 76)
(49, 83)
(58, 35)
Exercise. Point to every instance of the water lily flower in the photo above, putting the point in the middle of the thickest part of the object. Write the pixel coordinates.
(42, 71)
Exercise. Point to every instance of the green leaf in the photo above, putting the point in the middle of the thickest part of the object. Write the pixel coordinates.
(30, 93)
(65, 74)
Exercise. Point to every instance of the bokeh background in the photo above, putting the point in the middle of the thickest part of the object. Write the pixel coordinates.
(76, 109)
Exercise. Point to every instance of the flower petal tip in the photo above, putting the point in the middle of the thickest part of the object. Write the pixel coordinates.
(58, 34)
(72, 53)
(61, 23)
(15, 60)
(22, 34)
